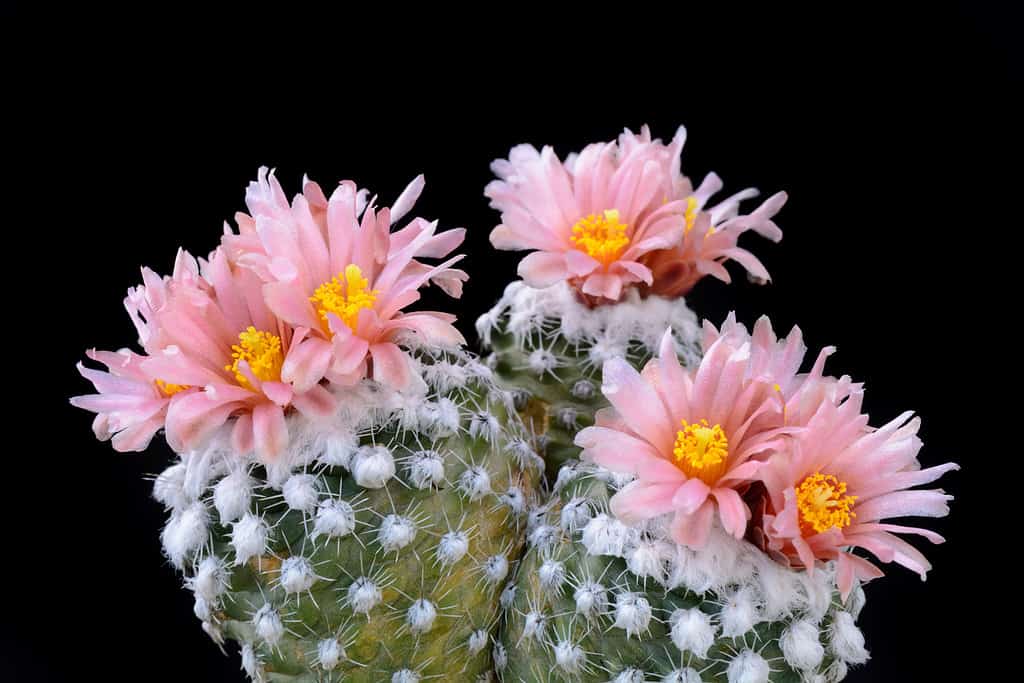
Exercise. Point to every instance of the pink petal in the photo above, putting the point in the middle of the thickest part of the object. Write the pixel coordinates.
(270, 431)
(390, 365)
(306, 363)
(543, 269)
(732, 510)
(640, 500)
(317, 402)
(690, 496)
(241, 434)
(621, 452)
(291, 304)
(278, 392)
(638, 404)
(193, 418)
(693, 530)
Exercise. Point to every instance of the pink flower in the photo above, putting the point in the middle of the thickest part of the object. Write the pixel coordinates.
(591, 218)
(838, 482)
(334, 268)
(130, 406)
(694, 439)
(710, 239)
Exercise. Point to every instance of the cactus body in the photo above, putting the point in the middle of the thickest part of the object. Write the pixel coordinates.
(547, 348)
(595, 600)
(377, 551)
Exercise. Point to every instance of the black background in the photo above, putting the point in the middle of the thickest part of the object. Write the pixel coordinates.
(892, 135)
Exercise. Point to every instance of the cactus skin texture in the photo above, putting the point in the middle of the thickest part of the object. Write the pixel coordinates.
(367, 576)
(559, 626)
(548, 349)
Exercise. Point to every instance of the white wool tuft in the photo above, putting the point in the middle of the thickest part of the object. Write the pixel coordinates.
(633, 319)
(250, 664)
(209, 580)
(583, 389)
(748, 667)
(329, 653)
(552, 576)
(425, 469)
(373, 466)
(508, 595)
(478, 640)
(591, 599)
(575, 514)
(526, 458)
(395, 532)
(420, 616)
(475, 483)
(739, 613)
(405, 676)
(232, 495)
(363, 595)
(334, 518)
(515, 499)
(645, 560)
(855, 603)
(630, 675)
(569, 657)
(568, 418)
(213, 630)
(169, 487)
(632, 613)
(185, 532)
(201, 608)
(566, 474)
(452, 547)
(692, 630)
(800, 645)
(836, 671)
(441, 418)
(533, 625)
(500, 656)
(604, 535)
(543, 537)
(542, 361)
(300, 492)
(200, 468)
(484, 425)
(686, 675)
(297, 574)
(248, 537)
(845, 640)
(267, 624)
(337, 450)
(446, 376)
(495, 568)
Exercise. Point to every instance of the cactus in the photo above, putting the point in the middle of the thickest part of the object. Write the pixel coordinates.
(547, 347)
(595, 600)
(376, 550)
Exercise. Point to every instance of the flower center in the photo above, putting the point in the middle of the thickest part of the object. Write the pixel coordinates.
(168, 389)
(701, 450)
(822, 504)
(262, 352)
(602, 236)
(344, 295)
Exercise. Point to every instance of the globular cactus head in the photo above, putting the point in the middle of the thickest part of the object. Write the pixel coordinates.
(598, 600)
(376, 549)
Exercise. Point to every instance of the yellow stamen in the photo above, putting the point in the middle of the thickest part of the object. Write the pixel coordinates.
(344, 295)
(262, 352)
(602, 236)
(822, 504)
(701, 450)
(691, 213)
(168, 389)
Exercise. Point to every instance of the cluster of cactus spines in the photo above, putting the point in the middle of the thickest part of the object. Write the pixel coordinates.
(547, 348)
(378, 551)
(595, 600)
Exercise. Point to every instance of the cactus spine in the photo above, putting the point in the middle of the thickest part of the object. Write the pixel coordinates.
(378, 550)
